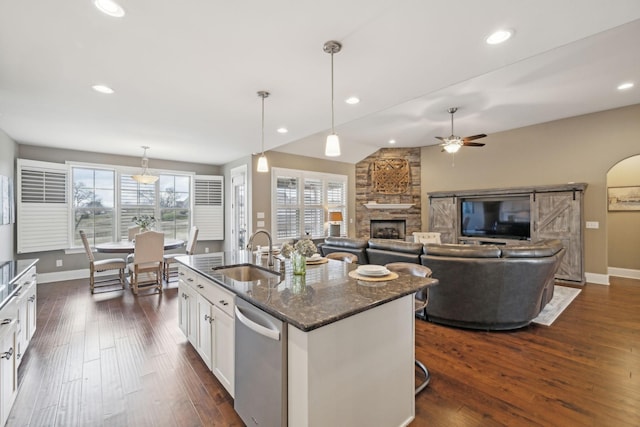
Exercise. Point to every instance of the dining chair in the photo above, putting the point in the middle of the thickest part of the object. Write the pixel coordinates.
(343, 256)
(170, 259)
(421, 300)
(99, 266)
(132, 231)
(146, 268)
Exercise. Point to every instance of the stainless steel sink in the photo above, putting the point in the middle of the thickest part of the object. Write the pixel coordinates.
(249, 273)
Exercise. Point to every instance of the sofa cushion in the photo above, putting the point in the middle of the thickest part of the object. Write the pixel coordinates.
(462, 251)
(396, 246)
(543, 248)
(346, 242)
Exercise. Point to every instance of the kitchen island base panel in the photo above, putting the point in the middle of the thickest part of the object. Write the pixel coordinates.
(357, 371)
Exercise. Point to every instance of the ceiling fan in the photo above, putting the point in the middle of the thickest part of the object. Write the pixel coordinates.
(452, 144)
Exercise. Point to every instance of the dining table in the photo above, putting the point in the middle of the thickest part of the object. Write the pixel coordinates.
(128, 246)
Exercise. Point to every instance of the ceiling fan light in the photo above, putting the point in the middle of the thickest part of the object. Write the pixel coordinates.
(263, 165)
(332, 148)
(452, 147)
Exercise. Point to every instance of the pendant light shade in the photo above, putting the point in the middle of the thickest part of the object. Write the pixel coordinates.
(263, 165)
(145, 177)
(332, 147)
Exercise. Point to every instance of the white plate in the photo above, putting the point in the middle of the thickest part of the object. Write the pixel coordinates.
(372, 272)
(372, 268)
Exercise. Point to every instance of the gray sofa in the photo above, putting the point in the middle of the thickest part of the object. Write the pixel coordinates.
(491, 287)
(484, 287)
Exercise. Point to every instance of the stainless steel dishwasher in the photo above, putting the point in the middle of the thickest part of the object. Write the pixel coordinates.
(260, 367)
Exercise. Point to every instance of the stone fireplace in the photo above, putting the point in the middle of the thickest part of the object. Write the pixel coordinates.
(388, 204)
(388, 229)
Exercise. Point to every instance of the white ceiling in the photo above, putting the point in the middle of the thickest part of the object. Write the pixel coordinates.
(186, 73)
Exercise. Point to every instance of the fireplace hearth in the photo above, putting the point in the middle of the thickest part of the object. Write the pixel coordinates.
(388, 229)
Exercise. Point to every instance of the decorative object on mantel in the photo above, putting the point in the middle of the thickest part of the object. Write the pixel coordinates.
(145, 177)
(145, 222)
(375, 205)
(335, 218)
(390, 176)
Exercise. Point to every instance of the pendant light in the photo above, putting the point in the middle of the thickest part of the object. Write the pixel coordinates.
(145, 177)
(332, 147)
(263, 165)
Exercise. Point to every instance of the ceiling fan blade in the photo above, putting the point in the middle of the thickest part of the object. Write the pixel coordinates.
(440, 138)
(471, 138)
(473, 144)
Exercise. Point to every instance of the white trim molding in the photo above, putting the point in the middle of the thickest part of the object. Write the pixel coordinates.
(596, 278)
(624, 272)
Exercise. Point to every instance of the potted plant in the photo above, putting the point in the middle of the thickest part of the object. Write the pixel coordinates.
(145, 222)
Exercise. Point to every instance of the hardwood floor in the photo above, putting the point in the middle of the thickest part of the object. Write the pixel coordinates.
(113, 359)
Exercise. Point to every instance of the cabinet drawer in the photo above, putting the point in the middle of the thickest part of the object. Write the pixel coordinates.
(218, 296)
(187, 276)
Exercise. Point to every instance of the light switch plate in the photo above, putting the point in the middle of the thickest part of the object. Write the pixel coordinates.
(260, 223)
(593, 224)
(260, 215)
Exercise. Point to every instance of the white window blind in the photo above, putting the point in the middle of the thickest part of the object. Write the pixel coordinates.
(43, 206)
(303, 200)
(208, 212)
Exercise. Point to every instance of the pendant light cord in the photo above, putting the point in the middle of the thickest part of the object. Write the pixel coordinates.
(263, 125)
(332, 102)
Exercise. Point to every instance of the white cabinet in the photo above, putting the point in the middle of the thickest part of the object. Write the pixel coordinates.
(27, 300)
(187, 308)
(206, 317)
(8, 364)
(224, 349)
(206, 331)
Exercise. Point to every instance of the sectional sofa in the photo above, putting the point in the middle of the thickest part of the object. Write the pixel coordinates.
(486, 287)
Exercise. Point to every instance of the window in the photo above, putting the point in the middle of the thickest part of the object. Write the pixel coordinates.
(56, 201)
(93, 205)
(303, 200)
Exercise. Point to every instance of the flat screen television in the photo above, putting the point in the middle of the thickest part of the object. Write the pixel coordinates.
(505, 217)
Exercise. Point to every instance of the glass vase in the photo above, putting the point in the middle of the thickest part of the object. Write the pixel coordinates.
(299, 263)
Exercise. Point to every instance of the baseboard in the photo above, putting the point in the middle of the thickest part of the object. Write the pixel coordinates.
(624, 272)
(61, 276)
(596, 278)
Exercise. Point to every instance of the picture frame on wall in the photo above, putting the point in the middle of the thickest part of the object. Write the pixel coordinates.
(622, 199)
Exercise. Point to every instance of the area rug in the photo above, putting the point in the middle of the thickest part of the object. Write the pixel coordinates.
(562, 297)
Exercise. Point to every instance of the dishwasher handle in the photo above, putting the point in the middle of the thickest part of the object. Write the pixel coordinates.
(271, 333)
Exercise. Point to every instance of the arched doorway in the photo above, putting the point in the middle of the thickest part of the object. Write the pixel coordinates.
(623, 221)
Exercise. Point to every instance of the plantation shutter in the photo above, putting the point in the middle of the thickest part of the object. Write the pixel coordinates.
(208, 212)
(43, 206)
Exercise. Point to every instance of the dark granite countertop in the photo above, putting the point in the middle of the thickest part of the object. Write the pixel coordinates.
(10, 274)
(324, 295)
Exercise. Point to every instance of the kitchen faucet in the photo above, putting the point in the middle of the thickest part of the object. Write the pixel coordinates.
(250, 245)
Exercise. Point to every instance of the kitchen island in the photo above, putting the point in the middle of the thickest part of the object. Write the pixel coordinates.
(349, 344)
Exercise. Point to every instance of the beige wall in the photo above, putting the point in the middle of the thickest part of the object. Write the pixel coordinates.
(577, 149)
(8, 150)
(261, 183)
(623, 228)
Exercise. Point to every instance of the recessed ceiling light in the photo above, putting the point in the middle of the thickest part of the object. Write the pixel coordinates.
(283, 130)
(499, 36)
(625, 86)
(109, 7)
(102, 89)
(392, 141)
(352, 100)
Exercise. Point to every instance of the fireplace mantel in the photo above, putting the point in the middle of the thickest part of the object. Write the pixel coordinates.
(388, 205)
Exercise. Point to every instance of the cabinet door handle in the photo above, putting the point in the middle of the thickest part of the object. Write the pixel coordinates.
(32, 298)
(189, 279)
(223, 302)
(200, 287)
(208, 318)
(7, 354)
